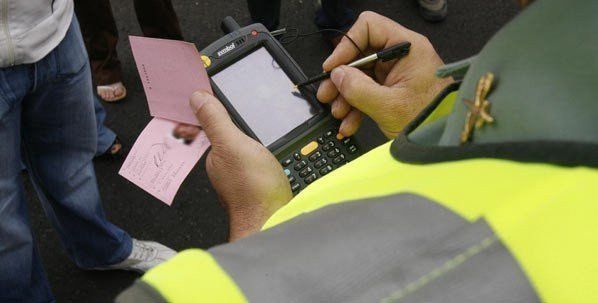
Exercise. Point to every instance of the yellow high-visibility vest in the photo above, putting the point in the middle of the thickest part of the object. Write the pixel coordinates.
(546, 215)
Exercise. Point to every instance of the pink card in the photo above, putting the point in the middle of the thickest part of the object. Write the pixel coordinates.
(170, 70)
(159, 163)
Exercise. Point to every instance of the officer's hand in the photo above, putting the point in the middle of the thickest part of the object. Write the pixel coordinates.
(249, 180)
(395, 92)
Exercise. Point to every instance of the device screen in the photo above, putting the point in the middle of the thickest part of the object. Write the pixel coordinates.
(262, 93)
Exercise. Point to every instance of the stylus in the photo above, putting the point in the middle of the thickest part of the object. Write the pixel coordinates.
(394, 52)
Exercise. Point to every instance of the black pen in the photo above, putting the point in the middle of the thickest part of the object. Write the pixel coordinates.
(394, 52)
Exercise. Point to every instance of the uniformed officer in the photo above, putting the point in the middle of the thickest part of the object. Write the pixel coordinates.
(487, 192)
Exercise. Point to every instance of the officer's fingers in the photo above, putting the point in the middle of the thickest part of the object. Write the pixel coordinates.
(327, 91)
(359, 90)
(370, 31)
(351, 123)
(214, 118)
(346, 51)
(340, 108)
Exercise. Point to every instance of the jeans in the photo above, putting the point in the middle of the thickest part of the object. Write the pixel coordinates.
(334, 14)
(105, 135)
(47, 114)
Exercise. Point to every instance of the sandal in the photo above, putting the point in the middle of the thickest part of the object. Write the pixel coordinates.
(112, 92)
(114, 152)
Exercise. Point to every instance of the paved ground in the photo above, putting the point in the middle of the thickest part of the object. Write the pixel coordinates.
(195, 219)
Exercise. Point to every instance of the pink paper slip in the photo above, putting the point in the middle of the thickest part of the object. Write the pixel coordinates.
(159, 163)
(170, 70)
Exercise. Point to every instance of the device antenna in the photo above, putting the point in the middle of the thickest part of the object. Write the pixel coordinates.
(229, 25)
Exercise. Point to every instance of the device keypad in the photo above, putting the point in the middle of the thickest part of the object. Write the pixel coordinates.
(320, 163)
(339, 159)
(333, 153)
(328, 146)
(326, 170)
(348, 142)
(318, 158)
(309, 148)
(311, 178)
(300, 165)
(305, 172)
(315, 156)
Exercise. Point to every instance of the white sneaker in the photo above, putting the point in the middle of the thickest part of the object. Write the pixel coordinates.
(144, 256)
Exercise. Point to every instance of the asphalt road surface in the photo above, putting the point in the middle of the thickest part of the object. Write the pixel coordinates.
(195, 219)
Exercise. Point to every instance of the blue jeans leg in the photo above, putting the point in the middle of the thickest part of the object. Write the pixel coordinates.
(48, 106)
(105, 135)
(22, 278)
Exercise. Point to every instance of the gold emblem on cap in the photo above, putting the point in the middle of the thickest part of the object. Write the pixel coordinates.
(479, 109)
(206, 61)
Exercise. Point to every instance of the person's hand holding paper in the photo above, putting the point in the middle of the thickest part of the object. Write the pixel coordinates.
(172, 143)
(249, 180)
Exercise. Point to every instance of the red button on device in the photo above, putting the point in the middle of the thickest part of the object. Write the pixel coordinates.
(254, 33)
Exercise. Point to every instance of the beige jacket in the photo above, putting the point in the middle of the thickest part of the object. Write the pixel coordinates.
(30, 29)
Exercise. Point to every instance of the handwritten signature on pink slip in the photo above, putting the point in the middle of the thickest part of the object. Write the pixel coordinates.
(159, 162)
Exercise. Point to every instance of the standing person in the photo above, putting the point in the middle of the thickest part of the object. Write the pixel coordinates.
(157, 19)
(47, 112)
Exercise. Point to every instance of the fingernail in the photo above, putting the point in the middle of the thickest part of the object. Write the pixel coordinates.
(197, 100)
(340, 129)
(337, 76)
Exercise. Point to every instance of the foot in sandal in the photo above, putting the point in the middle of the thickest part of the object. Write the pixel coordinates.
(112, 92)
(115, 151)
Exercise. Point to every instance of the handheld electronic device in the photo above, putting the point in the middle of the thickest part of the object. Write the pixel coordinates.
(254, 77)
